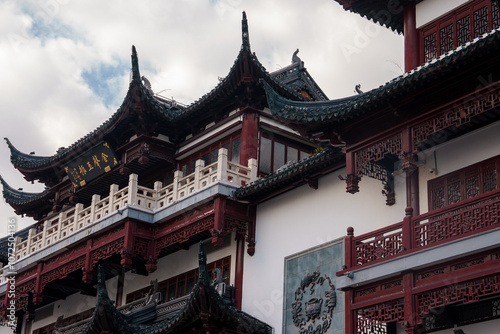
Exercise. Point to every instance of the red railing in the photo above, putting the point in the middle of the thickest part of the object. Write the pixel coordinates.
(453, 222)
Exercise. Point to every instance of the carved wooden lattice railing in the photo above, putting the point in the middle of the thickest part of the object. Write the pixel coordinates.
(71, 220)
(427, 230)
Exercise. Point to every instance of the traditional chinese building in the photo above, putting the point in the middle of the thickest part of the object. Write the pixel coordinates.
(138, 194)
(391, 226)
(422, 160)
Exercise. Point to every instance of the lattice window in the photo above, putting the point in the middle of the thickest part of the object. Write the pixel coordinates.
(459, 27)
(463, 184)
(480, 21)
(430, 47)
(380, 318)
(446, 38)
(463, 30)
(495, 15)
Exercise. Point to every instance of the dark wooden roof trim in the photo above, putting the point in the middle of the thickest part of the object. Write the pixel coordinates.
(302, 172)
(318, 114)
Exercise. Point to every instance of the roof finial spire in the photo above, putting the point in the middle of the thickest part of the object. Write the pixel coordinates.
(245, 40)
(135, 65)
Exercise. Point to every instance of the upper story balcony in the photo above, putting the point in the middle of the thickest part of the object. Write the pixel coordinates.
(67, 223)
(438, 235)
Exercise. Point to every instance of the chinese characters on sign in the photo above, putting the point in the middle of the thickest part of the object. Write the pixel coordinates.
(97, 161)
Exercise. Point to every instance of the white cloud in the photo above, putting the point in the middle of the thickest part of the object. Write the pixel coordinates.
(183, 47)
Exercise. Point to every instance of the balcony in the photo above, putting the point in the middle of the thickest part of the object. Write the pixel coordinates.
(414, 234)
(72, 220)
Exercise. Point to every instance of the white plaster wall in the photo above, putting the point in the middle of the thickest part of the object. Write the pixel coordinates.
(303, 218)
(176, 264)
(429, 10)
(75, 304)
(461, 152)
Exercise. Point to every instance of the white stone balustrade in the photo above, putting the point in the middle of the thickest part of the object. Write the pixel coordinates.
(67, 222)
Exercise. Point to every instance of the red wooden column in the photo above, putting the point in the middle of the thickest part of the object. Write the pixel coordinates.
(409, 304)
(88, 275)
(37, 297)
(219, 220)
(410, 168)
(128, 245)
(249, 135)
(411, 37)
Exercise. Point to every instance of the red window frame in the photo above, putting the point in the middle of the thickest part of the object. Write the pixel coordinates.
(187, 164)
(464, 183)
(180, 284)
(452, 19)
(274, 138)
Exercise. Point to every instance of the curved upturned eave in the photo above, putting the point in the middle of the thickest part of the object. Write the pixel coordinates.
(29, 164)
(17, 199)
(319, 113)
(230, 83)
(380, 11)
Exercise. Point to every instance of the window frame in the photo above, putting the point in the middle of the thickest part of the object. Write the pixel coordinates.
(440, 186)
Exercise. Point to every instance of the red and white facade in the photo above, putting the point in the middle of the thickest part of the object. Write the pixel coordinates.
(407, 181)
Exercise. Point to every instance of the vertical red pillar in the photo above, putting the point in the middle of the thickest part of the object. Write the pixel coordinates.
(128, 245)
(411, 37)
(238, 277)
(249, 135)
(87, 269)
(409, 305)
(37, 297)
(219, 220)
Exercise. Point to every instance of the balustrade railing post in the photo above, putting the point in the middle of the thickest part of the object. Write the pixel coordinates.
(31, 233)
(78, 209)
(407, 229)
(177, 177)
(349, 247)
(62, 216)
(95, 198)
(132, 189)
(46, 226)
(197, 173)
(113, 189)
(157, 187)
(222, 165)
(252, 164)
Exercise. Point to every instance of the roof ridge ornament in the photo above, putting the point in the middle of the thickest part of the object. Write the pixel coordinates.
(245, 40)
(136, 75)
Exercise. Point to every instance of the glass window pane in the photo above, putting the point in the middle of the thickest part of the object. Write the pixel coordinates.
(265, 155)
(214, 155)
(279, 155)
(180, 289)
(205, 158)
(235, 150)
(189, 285)
(171, 292)
(292, 154)
(185, 169)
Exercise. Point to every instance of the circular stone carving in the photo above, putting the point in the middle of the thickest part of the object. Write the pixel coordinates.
(314, 302)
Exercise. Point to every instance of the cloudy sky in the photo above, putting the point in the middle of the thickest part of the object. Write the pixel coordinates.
(65, 64)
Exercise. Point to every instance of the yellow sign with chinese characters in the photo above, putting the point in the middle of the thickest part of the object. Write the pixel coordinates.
(97, 161)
